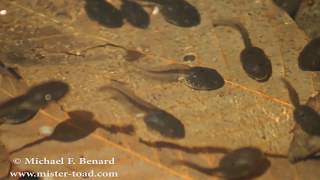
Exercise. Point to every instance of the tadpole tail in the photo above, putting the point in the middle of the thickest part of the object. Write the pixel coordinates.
(128, 94)
(130, 52)
(105, 45)
(205, 170)
(294, 97)
(9, 71)
(116, 46)
(167, 69)
(14, 73)
(277, 156)
(154, 1)
(236, 25)
(39, 141)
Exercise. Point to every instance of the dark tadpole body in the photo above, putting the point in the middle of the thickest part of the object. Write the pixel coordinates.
(243, 163)
(306, 140)
(104, 13)
(46, 92)
(307, 118)
(253, 59)
(198, 78)
(178, 12)
(309, 58)
(24, 107)
(202, 78)
(135, 14)
(290, 6)
(155, 119)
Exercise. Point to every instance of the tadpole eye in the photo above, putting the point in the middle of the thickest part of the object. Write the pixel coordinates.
(48, 97)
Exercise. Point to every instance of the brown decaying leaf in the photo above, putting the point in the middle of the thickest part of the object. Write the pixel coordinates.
(258, 110)
(5, 164)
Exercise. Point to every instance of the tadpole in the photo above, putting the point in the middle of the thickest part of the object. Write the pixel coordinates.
(309, 58)
(155, 118)
(197, 77)
(306, 139)
(253, 59)
(104, 13)
(22, 108)
(135, 14)
(290, 6)
(307, 118)
(178, 12)
(131, 55)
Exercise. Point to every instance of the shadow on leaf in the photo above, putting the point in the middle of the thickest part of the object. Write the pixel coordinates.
(243, 163)
(80, 125)
(193, 150)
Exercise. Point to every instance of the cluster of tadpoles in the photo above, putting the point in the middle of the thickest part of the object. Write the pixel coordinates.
(242, 162)
(238, 163)
(178, 12)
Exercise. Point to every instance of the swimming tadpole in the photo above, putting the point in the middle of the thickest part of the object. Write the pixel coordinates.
(134, 13)
(156, 119)
(197, 77)
(305, 116)
(22, 108)
(104, 13)
(253, 59)
(178, 12)
(306, 140)
(290, 6)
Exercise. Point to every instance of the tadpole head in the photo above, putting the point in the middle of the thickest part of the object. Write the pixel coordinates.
(166, 124)
(309, 58)
(25, 107)
(135, 14)
(46, 92)
(104, 13)
(180, 13)
(308, 119)
(202, 78)
(291, 7)
(256, 64)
